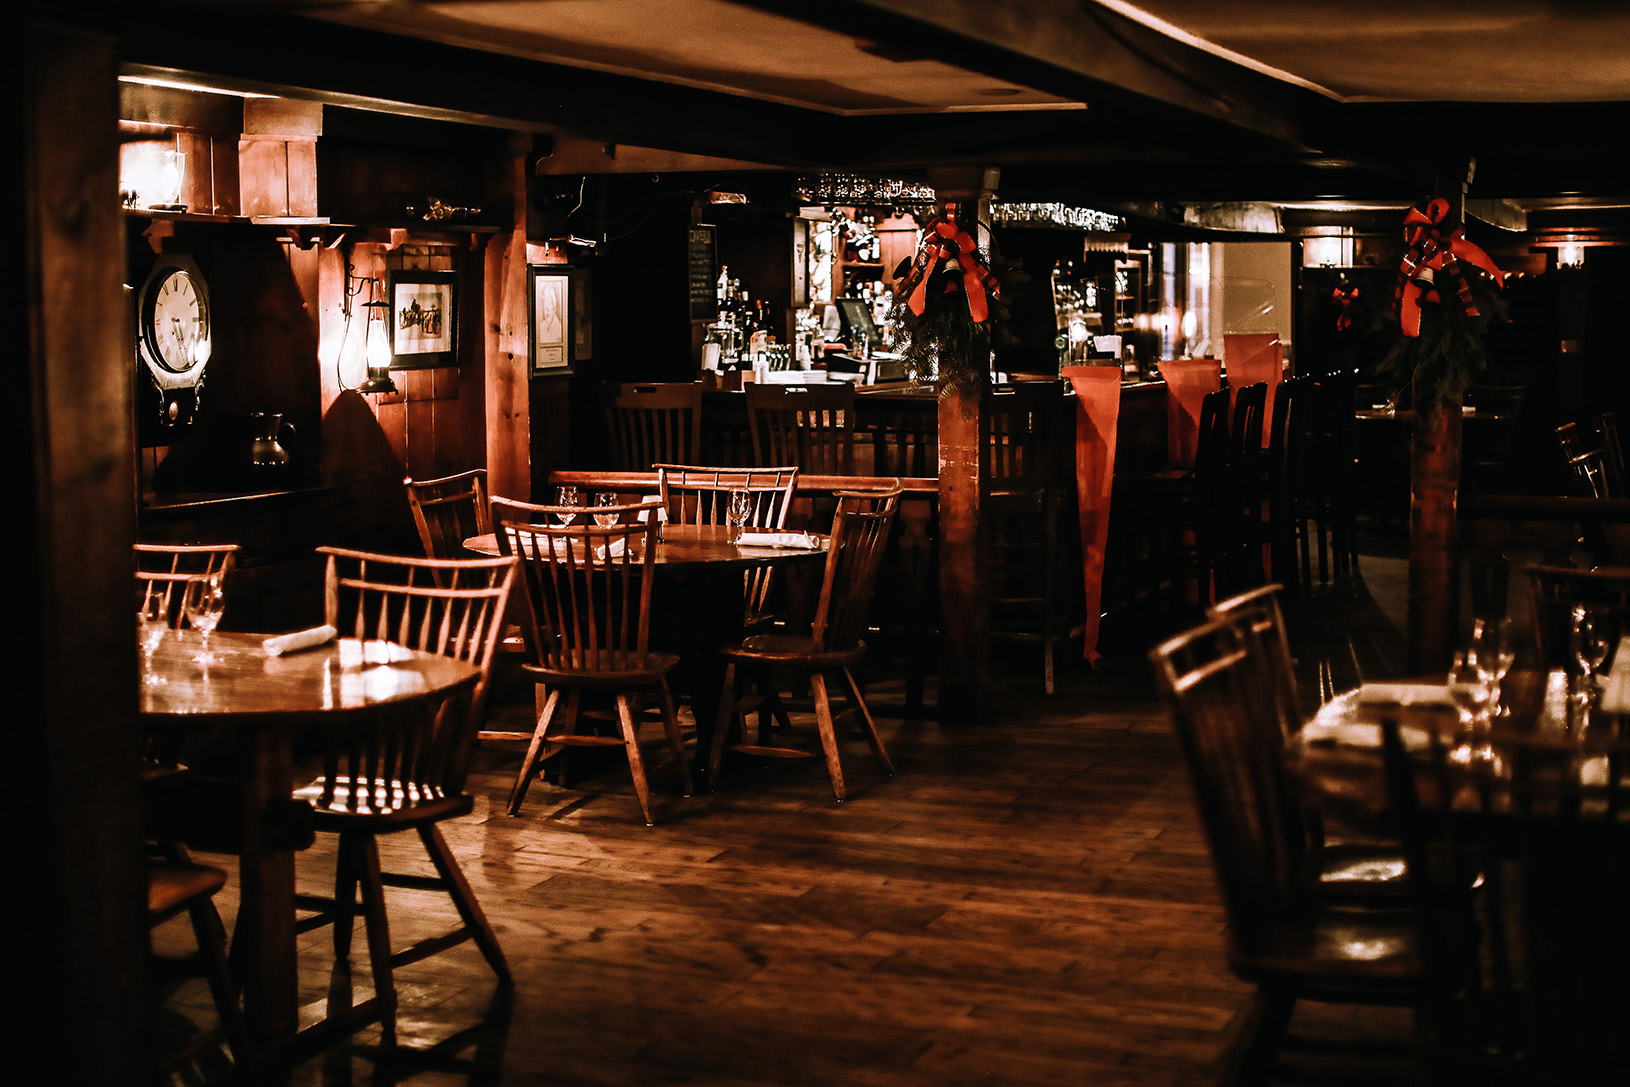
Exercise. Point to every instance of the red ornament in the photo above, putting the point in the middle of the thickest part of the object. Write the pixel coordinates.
(1433, 254)
(949, 251)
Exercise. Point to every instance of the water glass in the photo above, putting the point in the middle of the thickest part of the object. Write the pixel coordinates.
(605, 520)
(203, 604)
(741, 508)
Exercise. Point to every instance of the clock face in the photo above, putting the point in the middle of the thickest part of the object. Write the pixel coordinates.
(178, 328)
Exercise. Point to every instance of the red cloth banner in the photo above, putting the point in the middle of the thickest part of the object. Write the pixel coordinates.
(1097, 416)
(1187, 383)
(1252, 357)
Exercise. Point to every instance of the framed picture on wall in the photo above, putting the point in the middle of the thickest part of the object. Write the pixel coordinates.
(424, 319)
(557, 318)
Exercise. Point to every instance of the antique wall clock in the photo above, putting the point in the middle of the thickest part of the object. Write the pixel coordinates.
(173, 336)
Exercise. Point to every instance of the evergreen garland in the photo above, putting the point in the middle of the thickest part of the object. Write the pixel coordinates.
(944, 341)
(1441, 362)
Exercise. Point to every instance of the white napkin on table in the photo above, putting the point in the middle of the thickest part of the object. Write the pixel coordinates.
(1404, 694)
(803, 541)
(298, 640)
(1616, 687)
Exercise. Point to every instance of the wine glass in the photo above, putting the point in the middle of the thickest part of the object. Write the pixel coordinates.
(741, 508)
(566, 496)
(1589, 642)
(1469, 690)
(203, 603)
(152, 620)
(1496, 653)
(605, 520)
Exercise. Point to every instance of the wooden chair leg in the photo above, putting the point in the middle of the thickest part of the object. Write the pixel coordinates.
(347, 863)
(379, 936)
(1255, 1048)
(676, 740)
(210, 935)
(868, 727)
(636, 765)
(534, 751)
(829, 733)
(464, 900)
(721, 725)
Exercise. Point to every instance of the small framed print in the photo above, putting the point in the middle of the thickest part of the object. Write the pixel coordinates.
(556, 319)
(424, 319)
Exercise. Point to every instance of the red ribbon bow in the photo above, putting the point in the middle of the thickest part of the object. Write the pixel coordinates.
(1344, 303)
(1432, 254)
(946, 245)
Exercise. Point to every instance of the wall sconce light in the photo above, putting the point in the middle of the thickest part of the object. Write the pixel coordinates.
(1328, 247)
(378, 346)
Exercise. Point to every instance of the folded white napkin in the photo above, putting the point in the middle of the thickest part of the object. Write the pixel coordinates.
(1404, 694)
(803, 541)
(298, 640)
(1359, 734)
(1616, 688)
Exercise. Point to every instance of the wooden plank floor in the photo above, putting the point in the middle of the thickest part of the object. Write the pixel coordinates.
(1027, 902)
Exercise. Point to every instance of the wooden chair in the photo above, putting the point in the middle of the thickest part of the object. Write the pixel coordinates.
(833, 646)
(449, 511)
(164, 570)
(1492, 445)
(1586, 468)
(589, 590)
(701, 496)
(174, 889)
(1020, 504)
(1554, 591)
(1607, 433)
(810, 426)
(1279, 527)
(1246, 469)
(402, 766)
(1352, 873)
(1280, 937)
(1533, 987)
(653, 423)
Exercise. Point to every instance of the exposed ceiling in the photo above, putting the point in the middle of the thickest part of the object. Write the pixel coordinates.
(1075, 100)
(1377, 50)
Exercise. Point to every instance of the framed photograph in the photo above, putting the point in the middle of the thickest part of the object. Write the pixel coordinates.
(424, 319)
(557, 318)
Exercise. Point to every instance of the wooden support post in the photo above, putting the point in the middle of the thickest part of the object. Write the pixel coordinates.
(81, 914)
(506, 374)
(1433, 540)
(964, 625)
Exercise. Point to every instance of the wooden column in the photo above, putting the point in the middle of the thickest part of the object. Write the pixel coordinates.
(1434, 540)
(81, 932)
(507, 376)
(964, 626)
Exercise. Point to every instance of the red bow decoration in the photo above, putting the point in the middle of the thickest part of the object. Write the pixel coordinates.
(1433, 253)
(1344, 303)
(949, 249)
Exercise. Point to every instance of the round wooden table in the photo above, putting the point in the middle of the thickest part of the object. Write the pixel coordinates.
(700, 570)
(260, 701)
(1336, 757)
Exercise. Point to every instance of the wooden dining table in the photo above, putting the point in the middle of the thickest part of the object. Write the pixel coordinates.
(1337, 760)
(698, 606)
(260, 703)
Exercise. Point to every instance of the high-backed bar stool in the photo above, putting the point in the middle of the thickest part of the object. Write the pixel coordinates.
(655, 423)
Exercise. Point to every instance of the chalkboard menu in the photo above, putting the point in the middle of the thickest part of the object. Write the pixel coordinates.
(704, 274)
